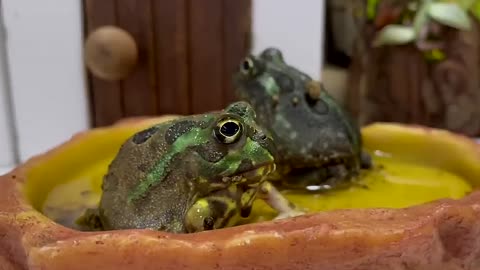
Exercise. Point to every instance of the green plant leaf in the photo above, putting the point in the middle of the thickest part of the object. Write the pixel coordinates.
(465, 4)
(394, 34)
(435, 55)
(475, 9)
(450, 14)
(372, 9)
(421, 17)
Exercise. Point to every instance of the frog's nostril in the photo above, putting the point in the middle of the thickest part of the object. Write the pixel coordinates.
(262, 136)
(259, 135)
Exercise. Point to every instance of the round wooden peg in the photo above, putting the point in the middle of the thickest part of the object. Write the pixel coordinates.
(111, 53)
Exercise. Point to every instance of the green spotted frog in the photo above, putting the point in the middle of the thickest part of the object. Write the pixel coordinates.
(319, 146)
(191, 174)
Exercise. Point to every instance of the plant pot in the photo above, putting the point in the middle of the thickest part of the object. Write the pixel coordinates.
(427, 82)
(443, 234)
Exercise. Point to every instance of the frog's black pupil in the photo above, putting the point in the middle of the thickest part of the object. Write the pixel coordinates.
(229, 129)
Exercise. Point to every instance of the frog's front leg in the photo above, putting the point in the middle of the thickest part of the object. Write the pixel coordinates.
(246, 201)
(277, 201)
(316, 179)
(366, 160)
(211, 212)
(220, 209)
(341, 175)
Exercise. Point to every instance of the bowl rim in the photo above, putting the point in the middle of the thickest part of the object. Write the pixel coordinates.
(304, 235)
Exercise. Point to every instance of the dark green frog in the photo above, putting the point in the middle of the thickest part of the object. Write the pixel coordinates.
(319, 146)
(194, 173)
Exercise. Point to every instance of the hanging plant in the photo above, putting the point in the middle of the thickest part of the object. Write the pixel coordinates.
(412, 27)
(414, 62)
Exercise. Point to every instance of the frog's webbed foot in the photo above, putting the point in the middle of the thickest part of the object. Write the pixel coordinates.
(289, 214)
(341, 177)
(202, 216)
(220, 209)
(90, 221)
(277, 201)
(366, 160)
(246, 202)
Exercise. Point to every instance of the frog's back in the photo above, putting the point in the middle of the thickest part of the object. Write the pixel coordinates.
(310, 128)
(142, 188)
(351, 127)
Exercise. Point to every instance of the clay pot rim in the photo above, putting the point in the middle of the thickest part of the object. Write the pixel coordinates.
(332, 225)
(18, 175)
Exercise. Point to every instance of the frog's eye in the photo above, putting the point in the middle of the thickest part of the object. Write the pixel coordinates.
(228, 131)
(247, 67)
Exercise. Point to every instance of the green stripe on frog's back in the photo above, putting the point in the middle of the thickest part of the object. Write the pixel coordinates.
(191, 136)
(227, 166)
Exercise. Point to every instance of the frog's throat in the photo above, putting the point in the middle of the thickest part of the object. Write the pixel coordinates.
(251, 177)
(196, 136)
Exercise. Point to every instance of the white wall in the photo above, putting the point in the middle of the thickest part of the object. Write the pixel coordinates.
(7, 151)
(295, 27)
(44, 48)
(7, 155)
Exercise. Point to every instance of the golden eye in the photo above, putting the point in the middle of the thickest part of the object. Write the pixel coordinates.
(247, 67)
(228, 131)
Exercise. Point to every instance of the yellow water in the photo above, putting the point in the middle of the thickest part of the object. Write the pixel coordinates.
(393, 183)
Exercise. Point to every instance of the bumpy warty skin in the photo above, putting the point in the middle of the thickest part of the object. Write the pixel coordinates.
(160, 172)
(309, 127)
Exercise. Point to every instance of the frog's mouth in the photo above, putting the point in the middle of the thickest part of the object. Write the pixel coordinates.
(253, 176)
(329, 159)
(333, 160)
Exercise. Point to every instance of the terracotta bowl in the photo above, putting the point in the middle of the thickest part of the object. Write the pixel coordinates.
(444, 234)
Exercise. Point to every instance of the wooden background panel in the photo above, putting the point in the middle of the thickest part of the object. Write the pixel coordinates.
(139, 96)
(206, 53)
(171, 36)
(106, 97)
(236, 41)
(188, 49)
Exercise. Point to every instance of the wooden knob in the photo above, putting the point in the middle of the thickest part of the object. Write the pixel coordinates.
(110, 53)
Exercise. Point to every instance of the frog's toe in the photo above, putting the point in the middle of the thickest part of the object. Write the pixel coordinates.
(366, 160)
(290, 214)
(89, 221)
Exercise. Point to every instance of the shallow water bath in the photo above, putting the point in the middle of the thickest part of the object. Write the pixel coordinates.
(396, 184)
(393, 183)
(442, 234)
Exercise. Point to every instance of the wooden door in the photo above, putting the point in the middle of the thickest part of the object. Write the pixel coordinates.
(187, 53)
